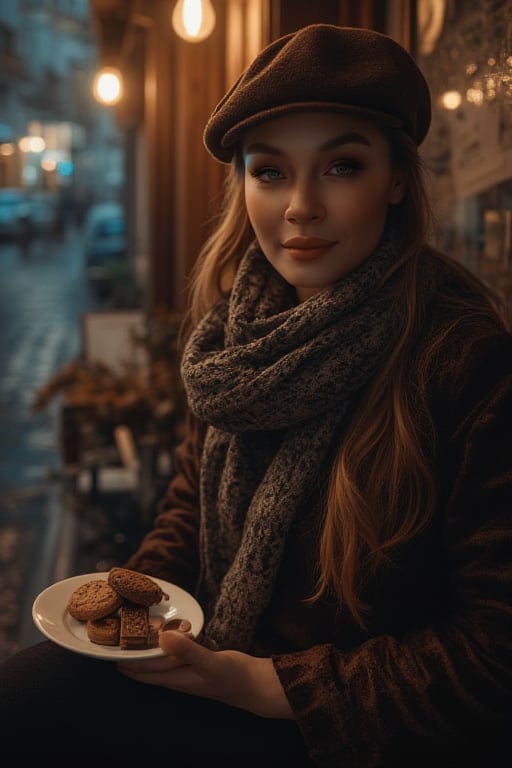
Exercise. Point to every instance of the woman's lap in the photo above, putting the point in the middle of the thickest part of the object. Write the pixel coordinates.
(46, 690)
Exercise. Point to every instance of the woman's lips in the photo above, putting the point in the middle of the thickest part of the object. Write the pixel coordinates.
(307, 248)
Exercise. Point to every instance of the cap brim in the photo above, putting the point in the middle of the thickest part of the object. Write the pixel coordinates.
(224, 149)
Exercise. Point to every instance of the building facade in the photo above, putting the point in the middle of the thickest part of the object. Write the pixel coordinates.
(53, 135)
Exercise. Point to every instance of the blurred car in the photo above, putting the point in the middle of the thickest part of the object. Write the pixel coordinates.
(14, 213)
(105, 239)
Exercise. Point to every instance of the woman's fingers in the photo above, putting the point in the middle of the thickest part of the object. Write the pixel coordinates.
(180, 649)
(186, 666)
(184, 648)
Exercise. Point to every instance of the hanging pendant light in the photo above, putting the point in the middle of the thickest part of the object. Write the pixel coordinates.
(193, 20)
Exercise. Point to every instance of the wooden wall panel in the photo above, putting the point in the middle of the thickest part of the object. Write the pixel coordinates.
(160, 133)
(182, 83)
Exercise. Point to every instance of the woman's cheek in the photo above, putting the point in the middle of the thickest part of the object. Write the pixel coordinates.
(368, 206)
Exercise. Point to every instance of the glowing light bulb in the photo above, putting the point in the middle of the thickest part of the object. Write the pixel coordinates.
(193, 20)
(108, 85)
(451, 99)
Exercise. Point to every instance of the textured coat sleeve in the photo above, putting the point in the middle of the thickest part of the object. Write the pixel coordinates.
(434, 691)
(170, 549)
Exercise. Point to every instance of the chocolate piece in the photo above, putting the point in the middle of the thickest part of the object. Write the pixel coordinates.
(134, 627)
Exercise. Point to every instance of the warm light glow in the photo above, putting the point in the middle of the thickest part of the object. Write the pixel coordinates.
(193, 20)
(475, 96)
(451, 99)
(107, 86)
(7, 149)
(32, 144)
(49, 165)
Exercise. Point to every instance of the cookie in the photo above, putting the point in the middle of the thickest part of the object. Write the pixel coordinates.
(135, 586)
(93, 600)
(104, 631)
(134, 631)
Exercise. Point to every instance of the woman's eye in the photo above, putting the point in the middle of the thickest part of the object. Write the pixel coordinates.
(344, 168)
(267, 174)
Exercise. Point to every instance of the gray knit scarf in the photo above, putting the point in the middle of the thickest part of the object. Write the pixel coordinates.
(273, 379)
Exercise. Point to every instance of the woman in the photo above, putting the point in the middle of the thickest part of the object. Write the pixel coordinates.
(341, 505)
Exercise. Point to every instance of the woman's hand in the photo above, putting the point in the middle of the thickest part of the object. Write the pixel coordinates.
(231, 677)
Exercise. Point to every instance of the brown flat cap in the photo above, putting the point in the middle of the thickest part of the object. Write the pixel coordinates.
(323, 67)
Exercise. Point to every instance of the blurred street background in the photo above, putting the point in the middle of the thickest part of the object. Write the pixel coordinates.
(48, 530)
(42, 296)
(62, 228)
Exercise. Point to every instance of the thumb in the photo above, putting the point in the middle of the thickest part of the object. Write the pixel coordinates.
(185, 648)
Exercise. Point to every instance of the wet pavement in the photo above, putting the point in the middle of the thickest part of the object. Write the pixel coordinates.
(43, 294)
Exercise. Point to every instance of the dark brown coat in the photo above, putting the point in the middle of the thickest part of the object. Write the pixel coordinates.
(430, 680)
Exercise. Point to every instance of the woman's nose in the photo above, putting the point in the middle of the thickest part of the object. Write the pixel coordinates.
(304, 206)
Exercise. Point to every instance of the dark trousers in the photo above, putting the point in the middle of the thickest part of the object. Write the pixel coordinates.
(51, 698)
(73, 709)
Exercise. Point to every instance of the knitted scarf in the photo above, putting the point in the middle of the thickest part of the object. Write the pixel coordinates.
(273, 379)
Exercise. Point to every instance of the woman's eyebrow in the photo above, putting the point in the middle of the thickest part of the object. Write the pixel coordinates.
(337, 141)
(346, 138)
(259, 146)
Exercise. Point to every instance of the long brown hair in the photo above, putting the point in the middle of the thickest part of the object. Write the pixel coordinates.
(382, 490)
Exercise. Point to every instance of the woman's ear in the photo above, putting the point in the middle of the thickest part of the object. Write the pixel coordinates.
(397, 190)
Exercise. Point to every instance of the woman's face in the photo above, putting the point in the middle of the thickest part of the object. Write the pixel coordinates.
(317, 191)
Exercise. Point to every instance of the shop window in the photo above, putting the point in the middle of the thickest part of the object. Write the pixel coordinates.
(465, 52)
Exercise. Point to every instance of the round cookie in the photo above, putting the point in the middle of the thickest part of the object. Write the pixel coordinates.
(104, 631)
(93, 600)
(135, 586)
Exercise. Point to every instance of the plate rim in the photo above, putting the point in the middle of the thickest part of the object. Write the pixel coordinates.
(55, 629)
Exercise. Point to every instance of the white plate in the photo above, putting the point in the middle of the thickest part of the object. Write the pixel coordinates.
(52, 619)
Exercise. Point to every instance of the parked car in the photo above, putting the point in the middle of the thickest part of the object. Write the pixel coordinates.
(105, 240)
(14, 213)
